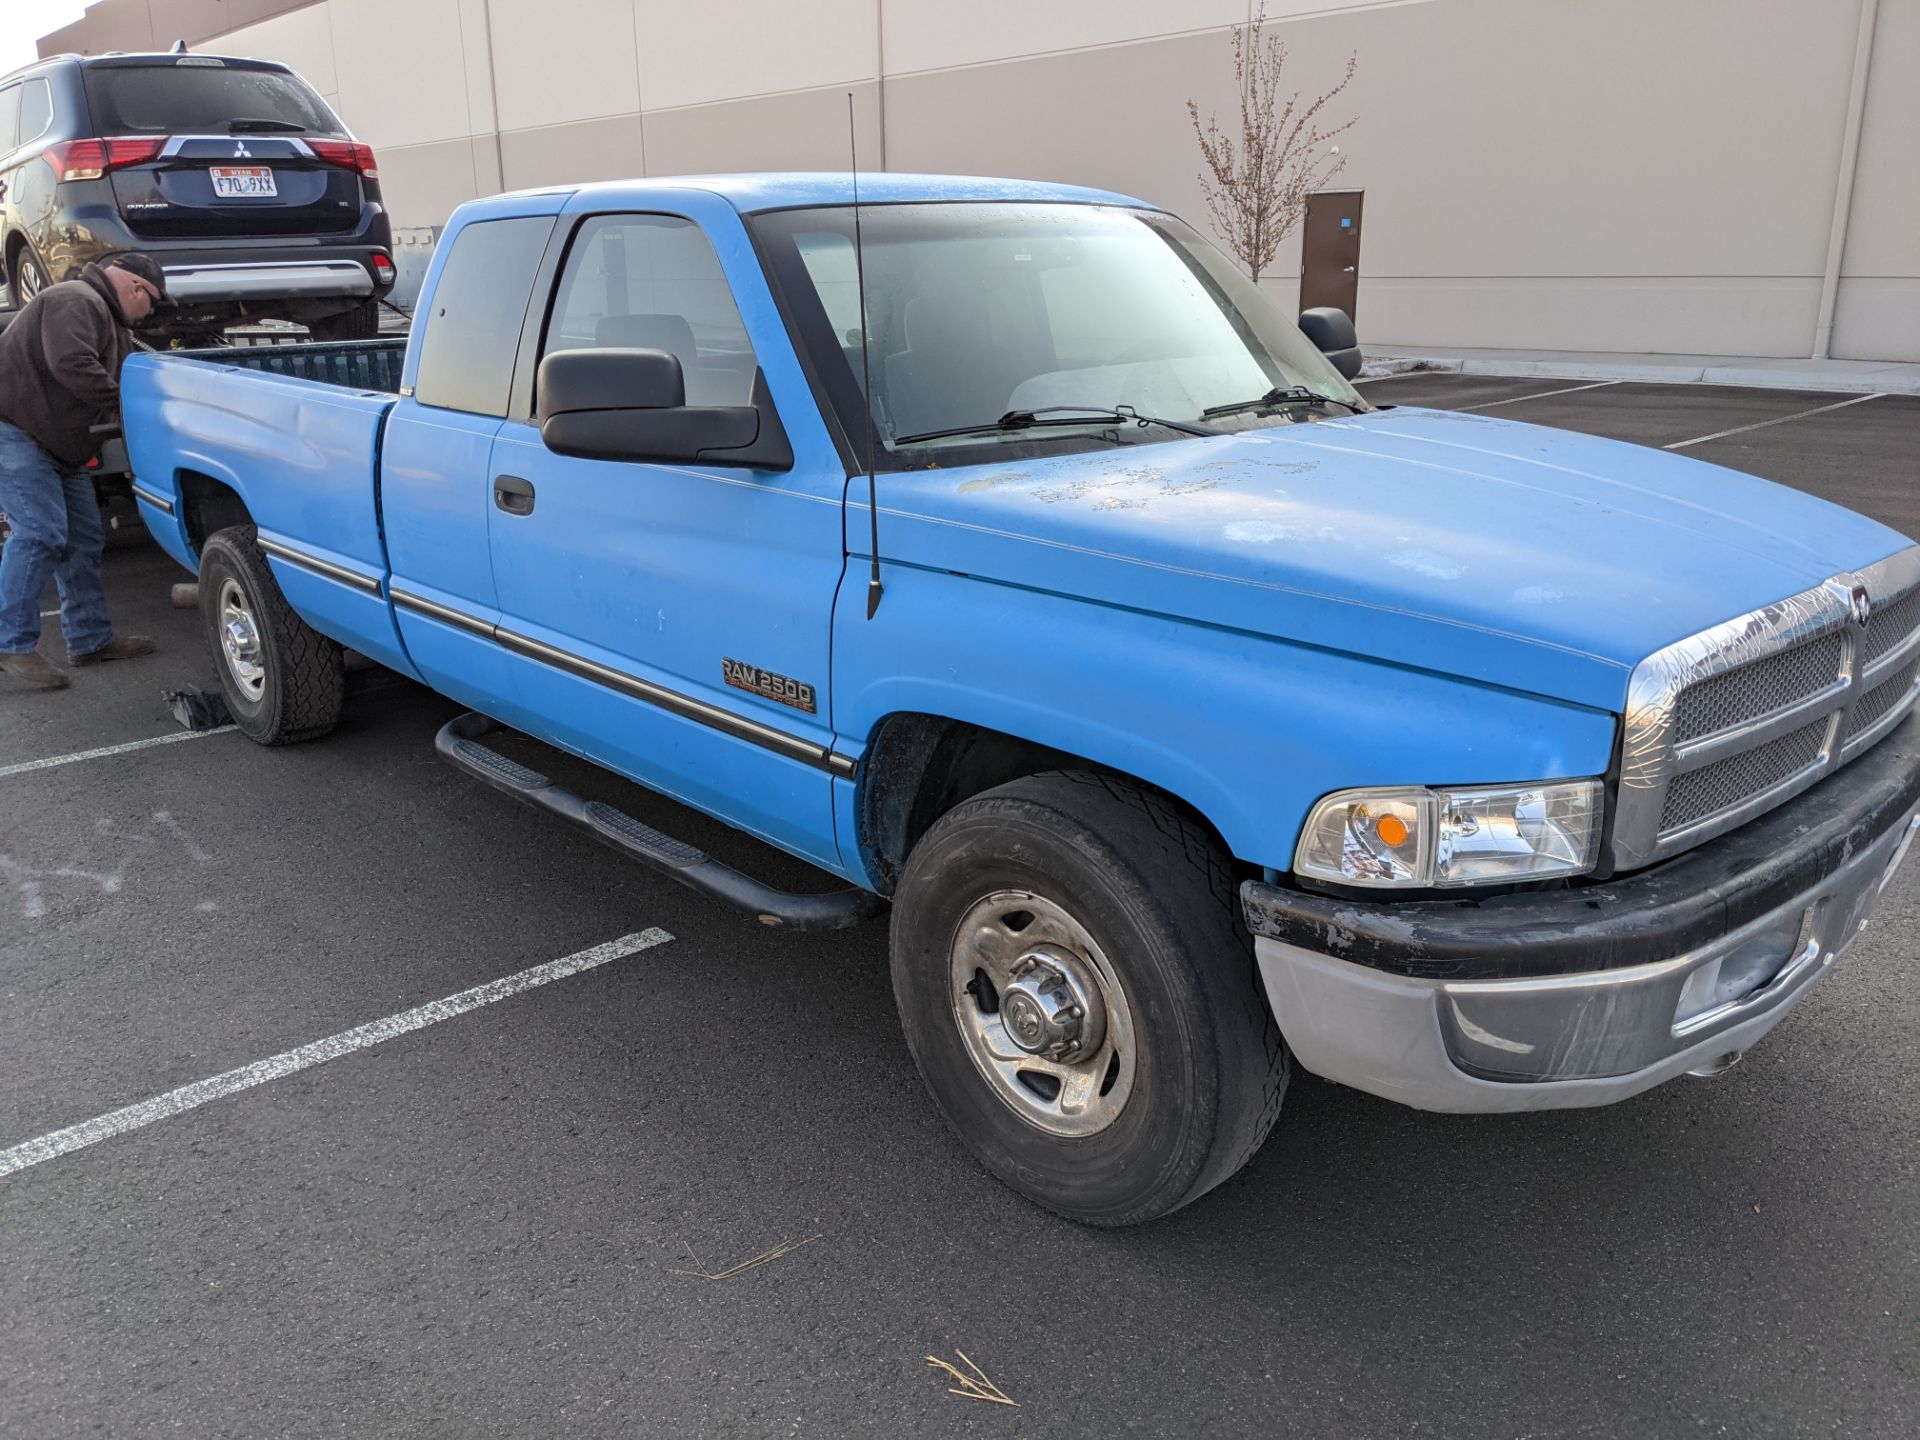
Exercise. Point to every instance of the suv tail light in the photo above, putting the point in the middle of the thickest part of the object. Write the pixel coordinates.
(383, 269)
(348, 153)
(90, 159)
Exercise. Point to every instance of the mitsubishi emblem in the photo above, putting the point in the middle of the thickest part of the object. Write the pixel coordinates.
(1862, 605)
(240, 150)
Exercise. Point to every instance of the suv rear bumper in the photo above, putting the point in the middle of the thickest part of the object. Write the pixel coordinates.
(1575, 997)
(199, 284)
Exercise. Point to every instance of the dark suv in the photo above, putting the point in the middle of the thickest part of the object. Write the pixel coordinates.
(232, 173)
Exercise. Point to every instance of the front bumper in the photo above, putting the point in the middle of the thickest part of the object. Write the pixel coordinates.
(1551, 999)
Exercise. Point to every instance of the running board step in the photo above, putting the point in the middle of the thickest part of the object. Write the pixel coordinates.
(459, 742)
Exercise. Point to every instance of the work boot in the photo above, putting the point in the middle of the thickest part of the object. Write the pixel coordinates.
(124, 648)
(36, 670)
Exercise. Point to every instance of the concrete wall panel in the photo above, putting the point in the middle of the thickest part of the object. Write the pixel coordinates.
(1877, 319)
(423, 183)
(939, 35)
(1113, 117)
(300, 38)
(610, 149)
(408, 86)
(1877, 311)
(67, 40)
(692, 54)
(1688, 315)
(807, 131)
(594, 74)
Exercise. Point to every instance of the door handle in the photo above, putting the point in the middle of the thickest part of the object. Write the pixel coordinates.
(1348, 270)
(513, 495)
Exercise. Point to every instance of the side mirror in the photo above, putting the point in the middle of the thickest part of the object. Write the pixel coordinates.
(1331, 331)
(631, 405)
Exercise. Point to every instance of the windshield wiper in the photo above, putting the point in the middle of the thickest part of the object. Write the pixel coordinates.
(1031, 419)
(1280, 395)
(251, 127)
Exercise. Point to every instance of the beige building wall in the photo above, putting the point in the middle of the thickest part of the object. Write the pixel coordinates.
(1638, 175)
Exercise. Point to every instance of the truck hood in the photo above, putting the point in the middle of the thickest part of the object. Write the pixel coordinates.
(1512, 554)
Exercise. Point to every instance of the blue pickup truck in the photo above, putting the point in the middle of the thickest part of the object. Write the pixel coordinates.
(1001, 550)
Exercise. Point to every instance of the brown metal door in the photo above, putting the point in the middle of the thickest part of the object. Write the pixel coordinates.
(1330, 251)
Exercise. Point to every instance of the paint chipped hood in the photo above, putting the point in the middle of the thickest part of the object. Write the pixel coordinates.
(1512, 554)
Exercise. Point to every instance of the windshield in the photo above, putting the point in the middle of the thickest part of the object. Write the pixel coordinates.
(199, 96)
(977, 310)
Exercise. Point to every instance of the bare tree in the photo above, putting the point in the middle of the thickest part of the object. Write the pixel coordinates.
(1256, 186)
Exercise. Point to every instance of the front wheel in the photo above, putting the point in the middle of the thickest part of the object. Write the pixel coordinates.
(283, 680)
(1080, 995)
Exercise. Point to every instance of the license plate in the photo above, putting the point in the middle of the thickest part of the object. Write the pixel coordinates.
(242, 182)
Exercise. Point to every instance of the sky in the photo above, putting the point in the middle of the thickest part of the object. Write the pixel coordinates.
(23, 22)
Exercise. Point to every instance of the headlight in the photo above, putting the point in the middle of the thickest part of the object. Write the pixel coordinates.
(1416, 838)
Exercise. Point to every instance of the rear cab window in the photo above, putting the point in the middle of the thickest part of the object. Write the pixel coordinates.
(199, 95)
(468, 342)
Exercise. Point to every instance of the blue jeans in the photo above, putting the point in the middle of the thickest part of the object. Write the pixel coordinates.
(55, 535)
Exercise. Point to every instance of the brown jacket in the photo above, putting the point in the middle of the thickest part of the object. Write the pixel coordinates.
(60, 365)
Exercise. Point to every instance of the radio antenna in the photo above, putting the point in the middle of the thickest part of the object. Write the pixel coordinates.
(874, 588)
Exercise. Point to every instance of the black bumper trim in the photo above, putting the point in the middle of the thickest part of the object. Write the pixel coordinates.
(1649, 916)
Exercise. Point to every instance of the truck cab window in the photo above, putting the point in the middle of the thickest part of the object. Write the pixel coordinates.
(466, 355)
(652, 282)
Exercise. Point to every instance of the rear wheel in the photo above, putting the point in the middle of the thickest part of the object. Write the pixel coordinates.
(28, 276)
(1080, 995)
(360, 323)
(283, 680)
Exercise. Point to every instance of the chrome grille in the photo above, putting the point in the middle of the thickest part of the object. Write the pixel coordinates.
(1891, 624)
(1737, 719)
(1740, 696)
(1729, 782)
(1874, 705)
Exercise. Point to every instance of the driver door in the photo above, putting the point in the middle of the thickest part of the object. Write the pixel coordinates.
(673, 621)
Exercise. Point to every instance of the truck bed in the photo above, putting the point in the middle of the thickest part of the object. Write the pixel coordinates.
(354, 364)
(292, 433)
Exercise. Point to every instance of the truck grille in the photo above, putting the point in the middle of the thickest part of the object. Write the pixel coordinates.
(1737, 719)
(1737, 697)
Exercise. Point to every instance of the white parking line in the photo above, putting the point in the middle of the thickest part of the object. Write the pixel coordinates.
(25, 765)
(1538, 395)
(189, 1097)
(1762, 424)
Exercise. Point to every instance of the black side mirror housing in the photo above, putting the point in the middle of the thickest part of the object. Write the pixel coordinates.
(1331, 331)
(631, 405)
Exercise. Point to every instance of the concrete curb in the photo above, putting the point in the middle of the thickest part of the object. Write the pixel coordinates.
(1894, 379)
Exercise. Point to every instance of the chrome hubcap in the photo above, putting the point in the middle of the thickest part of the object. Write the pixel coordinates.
(1042, 1013)
(28, 283)
(240, 641)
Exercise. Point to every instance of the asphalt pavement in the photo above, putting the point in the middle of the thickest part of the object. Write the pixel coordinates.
(500, 1222)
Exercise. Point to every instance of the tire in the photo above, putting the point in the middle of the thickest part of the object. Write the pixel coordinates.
(283, 680)
(28, 277)
(1120, 891)
(360, 323)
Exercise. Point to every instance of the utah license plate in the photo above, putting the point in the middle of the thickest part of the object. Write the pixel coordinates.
(242, 182)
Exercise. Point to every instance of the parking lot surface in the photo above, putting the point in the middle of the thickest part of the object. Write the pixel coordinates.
(485, 1225)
